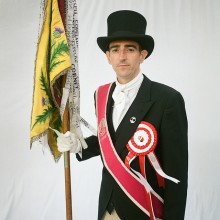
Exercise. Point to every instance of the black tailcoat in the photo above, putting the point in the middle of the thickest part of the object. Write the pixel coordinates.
(164, 108)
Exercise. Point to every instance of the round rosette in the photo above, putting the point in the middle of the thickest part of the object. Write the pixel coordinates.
(144, 139)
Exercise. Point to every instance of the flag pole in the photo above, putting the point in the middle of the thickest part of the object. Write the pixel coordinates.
(66, 127)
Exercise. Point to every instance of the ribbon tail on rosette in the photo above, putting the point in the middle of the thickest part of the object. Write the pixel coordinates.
(154, 162)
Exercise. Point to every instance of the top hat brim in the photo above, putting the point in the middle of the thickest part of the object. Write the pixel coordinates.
(146, 41)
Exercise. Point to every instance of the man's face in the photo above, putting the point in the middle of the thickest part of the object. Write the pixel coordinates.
(125, 58)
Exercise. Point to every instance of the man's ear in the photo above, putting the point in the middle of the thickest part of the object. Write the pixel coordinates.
(108, 56)
(144, 53)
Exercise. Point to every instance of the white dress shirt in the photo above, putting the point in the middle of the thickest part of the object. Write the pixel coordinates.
(123, 96)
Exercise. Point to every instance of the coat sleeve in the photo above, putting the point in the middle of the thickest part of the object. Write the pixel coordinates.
(92, 150)
(174, 145)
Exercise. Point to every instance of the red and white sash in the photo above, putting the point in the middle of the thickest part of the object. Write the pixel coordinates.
(135, 187)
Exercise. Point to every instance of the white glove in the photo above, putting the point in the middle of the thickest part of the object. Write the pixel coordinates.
(68, 142)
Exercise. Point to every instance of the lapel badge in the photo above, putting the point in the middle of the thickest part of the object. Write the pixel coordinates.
(132, 120)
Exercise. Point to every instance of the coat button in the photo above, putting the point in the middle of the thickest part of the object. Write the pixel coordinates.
(132, 120)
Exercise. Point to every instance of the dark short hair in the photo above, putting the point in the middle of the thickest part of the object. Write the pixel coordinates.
(140, 46)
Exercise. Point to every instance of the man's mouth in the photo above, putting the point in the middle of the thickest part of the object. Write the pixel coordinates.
(123, 65)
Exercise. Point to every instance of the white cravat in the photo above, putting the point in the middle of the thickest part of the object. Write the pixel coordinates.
(123, 96)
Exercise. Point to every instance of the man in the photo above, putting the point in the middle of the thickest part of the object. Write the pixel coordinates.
(142, 132)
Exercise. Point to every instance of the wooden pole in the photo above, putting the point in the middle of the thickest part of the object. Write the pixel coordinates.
(68, 186)
(66, 127)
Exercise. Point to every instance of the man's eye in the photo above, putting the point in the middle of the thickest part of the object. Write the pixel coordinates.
(130, 49)
(114, 50)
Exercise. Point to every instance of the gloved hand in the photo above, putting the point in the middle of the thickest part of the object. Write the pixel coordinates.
(68, 142)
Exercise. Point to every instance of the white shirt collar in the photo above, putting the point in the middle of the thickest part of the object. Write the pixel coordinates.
(132, 84)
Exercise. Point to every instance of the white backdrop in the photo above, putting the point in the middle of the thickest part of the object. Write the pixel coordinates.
(186, 57)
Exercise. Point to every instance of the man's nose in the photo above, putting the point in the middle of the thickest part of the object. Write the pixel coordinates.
(122, 54)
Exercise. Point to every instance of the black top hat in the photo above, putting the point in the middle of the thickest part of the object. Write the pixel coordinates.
(127, 25)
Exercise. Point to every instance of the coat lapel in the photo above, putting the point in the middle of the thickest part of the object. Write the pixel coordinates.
(110, 102)
(138, 109)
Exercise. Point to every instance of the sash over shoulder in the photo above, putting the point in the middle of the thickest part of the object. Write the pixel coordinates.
(133, 184)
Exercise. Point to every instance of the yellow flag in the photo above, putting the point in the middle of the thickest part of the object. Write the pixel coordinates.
(52, 61)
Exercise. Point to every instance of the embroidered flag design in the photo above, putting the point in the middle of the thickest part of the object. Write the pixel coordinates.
(52, 61)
